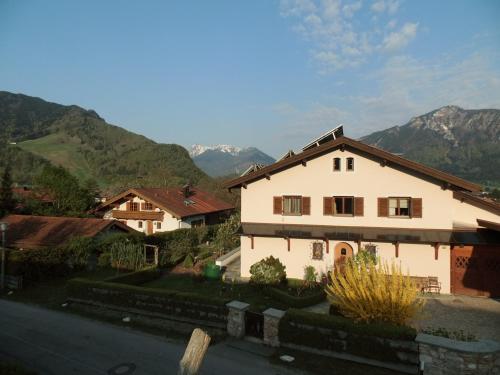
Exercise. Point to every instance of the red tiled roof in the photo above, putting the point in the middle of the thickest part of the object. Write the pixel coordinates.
(32, 232)
(27, 193)
(174, 201)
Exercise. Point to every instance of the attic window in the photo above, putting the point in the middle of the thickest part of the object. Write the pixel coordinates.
(336, 164)
(350, 164)
(188, 202)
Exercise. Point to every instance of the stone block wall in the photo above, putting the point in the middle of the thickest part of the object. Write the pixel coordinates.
(442, 356)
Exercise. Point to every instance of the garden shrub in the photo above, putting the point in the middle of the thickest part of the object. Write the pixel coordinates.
(227, 237)
(366, 292)
(80, 249)
(188, 261)
(268, 271)
(127, 256)
(310, 276)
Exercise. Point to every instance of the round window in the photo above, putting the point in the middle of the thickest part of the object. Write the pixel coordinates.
(343, 251)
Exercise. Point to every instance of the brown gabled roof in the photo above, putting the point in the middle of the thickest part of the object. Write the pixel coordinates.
(485, 203)
(174, 201)
(340, 142)
(34, 232)
(489, 224)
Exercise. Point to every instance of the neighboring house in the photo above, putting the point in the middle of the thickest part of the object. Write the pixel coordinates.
(152, 210)
(24, 193)
(26, 232)
(322, 205)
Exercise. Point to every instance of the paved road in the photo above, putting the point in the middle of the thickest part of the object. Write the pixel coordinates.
(52, 342)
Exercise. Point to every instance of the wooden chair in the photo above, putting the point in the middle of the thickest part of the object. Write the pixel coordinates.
(433, 285)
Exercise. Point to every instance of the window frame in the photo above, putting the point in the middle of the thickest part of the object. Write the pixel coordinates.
(139, 224)
(343, 197)
(135, 206)
(340, 164)
(148, 206)
(158, 225)
(299, 197)
(398, 207)
(347, 164)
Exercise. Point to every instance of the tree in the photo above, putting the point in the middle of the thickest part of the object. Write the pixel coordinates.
(68, 197)
(227, 237)
(7, 202)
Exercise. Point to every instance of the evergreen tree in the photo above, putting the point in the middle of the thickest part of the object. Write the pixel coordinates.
(7, 202)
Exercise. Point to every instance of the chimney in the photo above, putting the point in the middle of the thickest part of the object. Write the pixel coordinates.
(186, 189)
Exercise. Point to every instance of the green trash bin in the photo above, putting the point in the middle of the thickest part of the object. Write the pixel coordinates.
(212, 271)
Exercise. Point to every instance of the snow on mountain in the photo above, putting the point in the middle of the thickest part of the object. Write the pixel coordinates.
(197, 149)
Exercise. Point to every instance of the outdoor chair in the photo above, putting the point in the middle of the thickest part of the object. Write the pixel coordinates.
(432, 285)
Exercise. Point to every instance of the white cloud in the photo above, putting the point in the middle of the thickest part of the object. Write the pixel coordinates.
(338, 39)
(398, 39)
(389, 6)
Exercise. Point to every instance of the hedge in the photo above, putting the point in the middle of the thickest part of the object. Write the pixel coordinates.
(338, 334)
(294, 301)
(136, 278)
(344, 324)
(149, 299)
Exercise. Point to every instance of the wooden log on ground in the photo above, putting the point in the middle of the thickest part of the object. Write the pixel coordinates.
(195, 352)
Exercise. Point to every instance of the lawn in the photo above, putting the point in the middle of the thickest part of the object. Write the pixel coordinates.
(248, 293)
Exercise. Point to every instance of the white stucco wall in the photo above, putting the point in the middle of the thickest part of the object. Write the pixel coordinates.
(465, 214)
(414, 259)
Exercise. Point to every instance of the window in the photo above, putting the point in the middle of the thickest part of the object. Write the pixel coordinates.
(158, 225)
(350, 164)
(139, 224)
(134, 206)
(399, 207)
(292, 205)
(336, 164)
(148, 206)
(343, 206)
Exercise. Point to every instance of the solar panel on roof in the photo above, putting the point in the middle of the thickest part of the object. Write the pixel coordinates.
(328, 136)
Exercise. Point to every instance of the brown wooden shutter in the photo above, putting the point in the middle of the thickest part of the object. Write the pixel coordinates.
(143, 206)
(128, 206)
(416, 207)
(359, 206)
(327, 206)
(383, 207)
(306, 205)
(278, 205)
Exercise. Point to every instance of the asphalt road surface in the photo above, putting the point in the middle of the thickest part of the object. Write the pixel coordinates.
(52, 342)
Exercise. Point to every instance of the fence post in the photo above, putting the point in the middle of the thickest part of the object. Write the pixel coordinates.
(272, 319)
(195, 352)
(236, 318)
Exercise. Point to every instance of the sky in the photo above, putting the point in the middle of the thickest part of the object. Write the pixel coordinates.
(265, 73)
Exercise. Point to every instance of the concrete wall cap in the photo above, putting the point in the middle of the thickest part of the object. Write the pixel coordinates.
(481, 346)
(237, 305)
(274, 313)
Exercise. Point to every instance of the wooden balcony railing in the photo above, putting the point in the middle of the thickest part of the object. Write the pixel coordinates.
(138, 215)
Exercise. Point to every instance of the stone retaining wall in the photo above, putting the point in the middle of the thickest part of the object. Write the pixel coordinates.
(442, 356)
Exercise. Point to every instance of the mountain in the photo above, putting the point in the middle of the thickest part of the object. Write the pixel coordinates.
(463, 142)
(34, 132)
(225, 160)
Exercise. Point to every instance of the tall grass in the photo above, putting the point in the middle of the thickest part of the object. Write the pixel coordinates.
(369, 292)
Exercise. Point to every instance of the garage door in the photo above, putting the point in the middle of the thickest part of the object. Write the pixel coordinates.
(475, 270)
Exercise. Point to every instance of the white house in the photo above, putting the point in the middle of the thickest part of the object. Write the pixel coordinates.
(339, 195)
(152, 210)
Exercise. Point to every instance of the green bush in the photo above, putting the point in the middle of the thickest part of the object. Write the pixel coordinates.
(312, 298)
(268, 271)
(80, 249)
(188, 261)
(137, 277)
(310, 276)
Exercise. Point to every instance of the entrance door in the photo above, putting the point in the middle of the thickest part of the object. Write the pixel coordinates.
(343, 251)
(149, 227)
(475, 270)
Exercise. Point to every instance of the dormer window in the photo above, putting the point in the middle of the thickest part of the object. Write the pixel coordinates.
(188, 202)
(350, 164)
(336, 164)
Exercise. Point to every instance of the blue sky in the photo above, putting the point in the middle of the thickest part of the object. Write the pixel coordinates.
(270, 74)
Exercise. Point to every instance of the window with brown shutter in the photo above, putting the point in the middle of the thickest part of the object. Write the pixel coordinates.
(359, 206)
(127, 206)
(292, 205)
(416, 207)
(383, 207)
(306, 205)
(343, 206)
(327, 205)
(278, 205)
